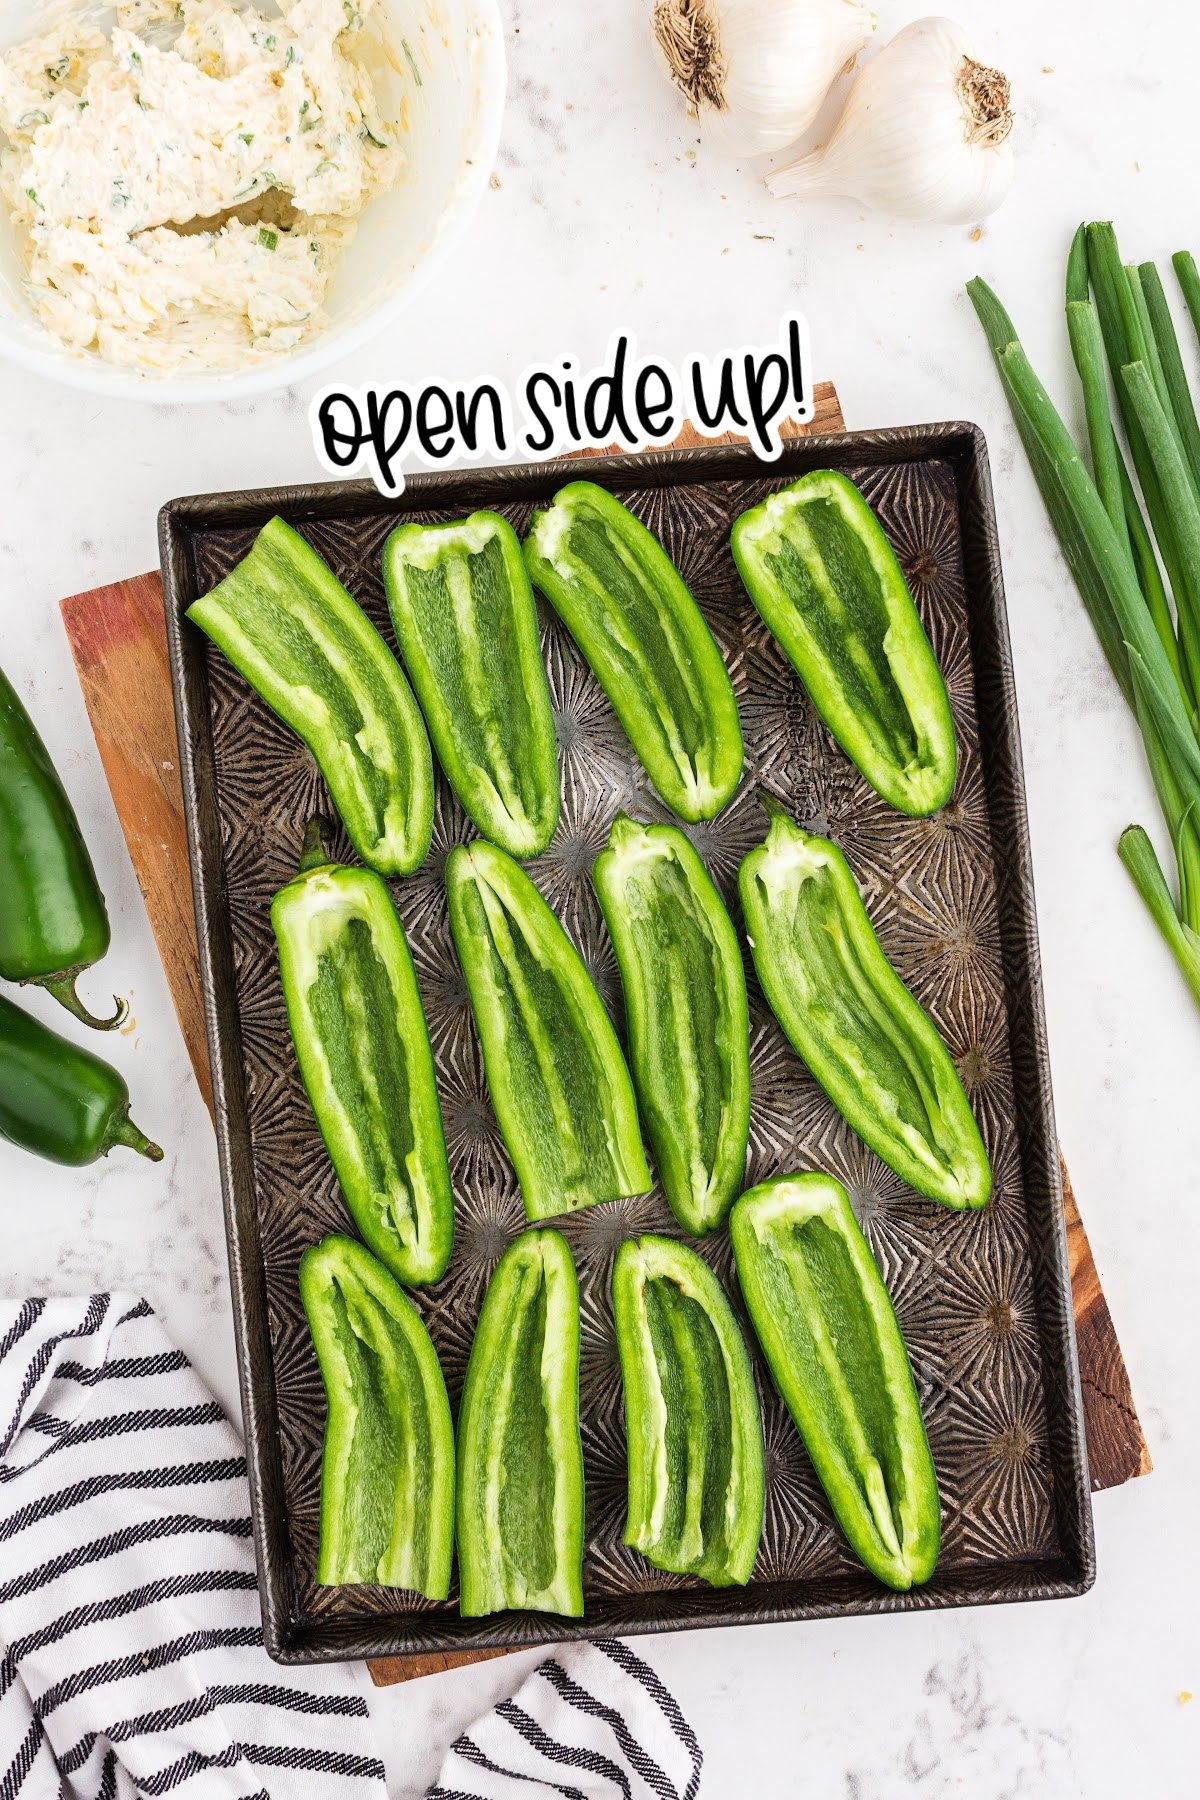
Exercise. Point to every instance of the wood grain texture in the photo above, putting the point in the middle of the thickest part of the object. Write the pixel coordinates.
(1117, 1450)
(119, 645)
(118, 642)
(386, 1671)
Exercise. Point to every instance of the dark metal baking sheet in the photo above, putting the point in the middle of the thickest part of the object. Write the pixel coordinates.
(983, 1299)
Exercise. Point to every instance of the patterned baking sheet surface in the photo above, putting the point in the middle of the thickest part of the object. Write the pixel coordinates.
(982, 1298)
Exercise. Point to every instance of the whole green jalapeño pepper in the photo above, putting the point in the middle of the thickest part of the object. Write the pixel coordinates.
(821, 572)
(53, 922)
(520, 1461)
(873, 1048)
(827, 1327)
(467, 627)
(558, 1081)
(363, 1048)
(692, 1423)
(288, 625)
(59, 1100)
(685, 1004)
(387, 1468)
(640, 630)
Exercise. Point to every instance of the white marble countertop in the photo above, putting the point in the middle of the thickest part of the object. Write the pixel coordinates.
(608, 214)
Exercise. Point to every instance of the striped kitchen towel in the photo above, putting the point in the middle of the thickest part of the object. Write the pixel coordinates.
(131, 1657)
(593, 1724)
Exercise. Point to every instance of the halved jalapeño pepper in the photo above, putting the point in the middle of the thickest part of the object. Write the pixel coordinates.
(387, 1469)
(685, 1004)
(819, 569)
(826, 1325)
(639, 628)
(874, 1050)
(363, 1049)
(558, 1081)
(53, 921)
(691, 1415)
(520, 1462)
(467, 626)
(288, 625)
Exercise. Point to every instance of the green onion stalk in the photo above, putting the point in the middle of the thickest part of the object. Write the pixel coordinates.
(1129, 528)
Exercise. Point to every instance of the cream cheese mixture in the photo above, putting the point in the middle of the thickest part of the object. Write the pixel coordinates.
(186, 184)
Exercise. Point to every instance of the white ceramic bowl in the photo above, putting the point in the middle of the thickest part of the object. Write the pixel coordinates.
(454, 120)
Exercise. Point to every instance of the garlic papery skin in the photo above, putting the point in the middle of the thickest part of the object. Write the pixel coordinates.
(925, 133)
(757, 71)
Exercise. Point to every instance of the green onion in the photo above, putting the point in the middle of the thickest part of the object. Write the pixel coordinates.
(1099, 562)
(411, 60)
(1180, 814)
(1149, 351)
(1175, 484)
(1087, 347)
(1108, 465)
(1077, 267)
(1125, 342)
(1120, 315)
(1137, 853)
(1179, 395)
(268, 239)
(1149, 577)
(1109, 279)
(1184, 265)
(1170, 738)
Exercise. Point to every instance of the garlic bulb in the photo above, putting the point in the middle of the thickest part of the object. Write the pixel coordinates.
(756, 71)
(924, 133)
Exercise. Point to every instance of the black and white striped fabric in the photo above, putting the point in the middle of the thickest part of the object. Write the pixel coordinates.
(593, 1724)
(131, 1658)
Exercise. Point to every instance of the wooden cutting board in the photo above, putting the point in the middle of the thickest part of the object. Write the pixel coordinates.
(118, 640)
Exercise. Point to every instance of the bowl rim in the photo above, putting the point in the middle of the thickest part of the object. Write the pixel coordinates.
(90, 374)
